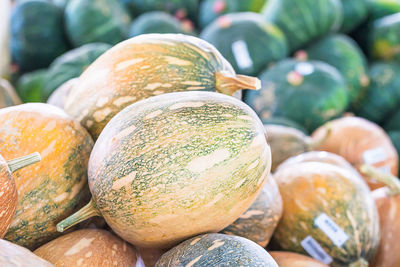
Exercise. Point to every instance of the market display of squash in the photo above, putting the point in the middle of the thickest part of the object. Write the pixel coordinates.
(328, 213)
(360, 142)
(258, 222)
(217, 250)
(52, 190)
(8, 196)
(233, 35)
(217, 164)
(8, 96)
(88, 247)
(12, 255)
(290, 259)
(145, 66)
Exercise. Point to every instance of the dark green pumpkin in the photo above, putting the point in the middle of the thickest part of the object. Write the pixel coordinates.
(354, 13)
(344, 54)
(30, 86)
(384, 38)
(156, 22)
(71, 65)
(309, 93)
(246, 41)
(381, 8)
(212, 9)
(37, 35)
(395, 137)
(89, 21)
(217, 250)
(393, 122)
(258, 222)
(304, 21)
(383, 96)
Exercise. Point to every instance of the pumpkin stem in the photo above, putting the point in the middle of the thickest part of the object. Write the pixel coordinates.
(391, 181)
(360, 263)
(88, 211)
(19, 163)
(314, 143)
(228, 84)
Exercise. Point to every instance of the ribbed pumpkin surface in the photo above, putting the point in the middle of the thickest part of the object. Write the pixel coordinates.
(8, 197)
(53, 189)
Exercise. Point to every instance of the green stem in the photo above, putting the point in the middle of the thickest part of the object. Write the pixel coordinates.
(360, 263)
(392, 182)
(19, 163)
(88, 211)
(228, 84)
(314, 143)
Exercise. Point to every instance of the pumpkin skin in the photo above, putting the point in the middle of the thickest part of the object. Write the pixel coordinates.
(206, 172)
(217, 250)
(8, 96)
(148, 65)
(59, 96)
(284, 122)
(393, 122)
(8, 190)
(60, 181)
(354, 13)
(290, 259)
(30, 86)
(259, 221)
(12, 255)
(312, 188)
(90, 247)
(356, 139)
(381, 8)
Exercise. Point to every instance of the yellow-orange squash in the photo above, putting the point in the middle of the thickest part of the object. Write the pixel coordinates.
(88, 247)
(145, 66)
(176, 165)
(8, 96)
(12, 255)
(328, 213)
(8, 190)
(360, 142)
(290, 259)
(53, 189)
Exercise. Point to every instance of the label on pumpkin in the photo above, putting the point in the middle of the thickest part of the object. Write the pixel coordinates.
(331, 229)
(374, 155)
(385, 169)
(241, 54)
(315, 250)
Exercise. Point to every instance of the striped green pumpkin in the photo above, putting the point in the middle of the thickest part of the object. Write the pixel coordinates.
(166, 168)
(354, 13)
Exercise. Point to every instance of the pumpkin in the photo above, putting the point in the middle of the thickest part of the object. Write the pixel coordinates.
(8, 96)
(318, 156)
(50, 191)
(381, 99)
(157, 22)
(248, 42)
(8, 196)
(307, 92)
(217, 250)
(153, 192)
(284, 122)
(360, 142)
(344, 54)
(12, 255)
(328, 213)
(393, 122)
(354, 13)
(387, 201)
(290, 259)
(37, 34)
(89, 21)
(381, 8)
(30, 86)
(305, 21)
(148, 65)
(59, 96)
(259, 221)
(287, 142)
(88, 247)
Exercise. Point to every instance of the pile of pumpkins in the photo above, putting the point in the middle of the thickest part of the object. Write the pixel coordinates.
(151, 159)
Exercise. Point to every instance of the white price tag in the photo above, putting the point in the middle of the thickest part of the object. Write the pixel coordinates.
(241, 54)
(315, 250)
(374, 155)
(331, 229)
(385, 169)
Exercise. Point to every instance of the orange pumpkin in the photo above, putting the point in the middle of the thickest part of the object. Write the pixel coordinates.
(360, 142)
(8, 96)
(50, 191)
(290, 259)
(8, 190)
(387, 200)
(88, 247)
